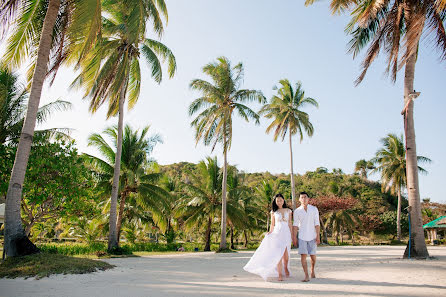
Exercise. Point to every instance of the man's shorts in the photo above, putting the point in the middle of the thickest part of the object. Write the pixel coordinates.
(307, 247)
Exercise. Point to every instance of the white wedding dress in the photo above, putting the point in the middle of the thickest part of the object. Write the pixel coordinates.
(269, 253)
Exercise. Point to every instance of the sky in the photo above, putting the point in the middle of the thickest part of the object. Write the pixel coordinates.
(275, 40)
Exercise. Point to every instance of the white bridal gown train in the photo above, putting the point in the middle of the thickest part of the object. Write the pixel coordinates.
(269, 253)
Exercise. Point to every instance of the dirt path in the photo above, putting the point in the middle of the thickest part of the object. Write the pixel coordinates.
(354, 271)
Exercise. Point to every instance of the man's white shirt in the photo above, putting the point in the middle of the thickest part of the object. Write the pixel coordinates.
(306, 221)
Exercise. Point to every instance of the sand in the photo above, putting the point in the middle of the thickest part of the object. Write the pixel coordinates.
(354, 271)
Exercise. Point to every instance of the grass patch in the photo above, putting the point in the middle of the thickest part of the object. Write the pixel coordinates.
(45, 264)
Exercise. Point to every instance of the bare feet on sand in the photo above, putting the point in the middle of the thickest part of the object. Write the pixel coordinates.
(313, 275)
(307, 279)
(287, 272)
(280, 279)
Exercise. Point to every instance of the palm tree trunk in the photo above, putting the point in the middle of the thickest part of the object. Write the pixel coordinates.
(324, 232)
(337, 234)
(223, 198)
(398, 216)
(232, 237)
(16, 241)
(120, 213)
(112, 237)
(418, 245)
(207, 245)
(293, 193)
(246, 238)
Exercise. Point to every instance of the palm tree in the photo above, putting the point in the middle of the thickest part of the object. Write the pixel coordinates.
(396, 26)
(342, 220)
(363, 167)
(202, 201)
(391, 163)
(214, 124)
(239, 210)
(136, 181)
(13, 99)
(112, 71)
(264, 194)
(168, 222)
(40, 27)
(285, 111)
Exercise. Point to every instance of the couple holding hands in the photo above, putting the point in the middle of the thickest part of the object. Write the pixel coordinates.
(272, 257)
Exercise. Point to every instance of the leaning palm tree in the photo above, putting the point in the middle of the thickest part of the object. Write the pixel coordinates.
(363, 167)
(111, 71)
(285, 109)
(136, 181)
(13, 99)
(396, 26)
(218, 102)
(39, 28)
(390, 161)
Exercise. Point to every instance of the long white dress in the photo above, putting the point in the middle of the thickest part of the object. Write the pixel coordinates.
(269, 253)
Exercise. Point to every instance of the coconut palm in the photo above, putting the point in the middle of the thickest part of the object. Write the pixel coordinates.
(390, 161)
(202, 204)
(39, 27)
(168, 222)
(363, 167)
(342, 220)
(264, 194)
(111, 71)
(220, 98)
(137, 184)
(239, 203)
(13, 102)
(285, 110)
(396, 26)
(202, 201)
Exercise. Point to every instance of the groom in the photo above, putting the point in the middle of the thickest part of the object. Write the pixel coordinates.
(306, 221)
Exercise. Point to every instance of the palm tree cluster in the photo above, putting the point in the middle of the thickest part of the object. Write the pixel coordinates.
(104, 40)
(223, 97)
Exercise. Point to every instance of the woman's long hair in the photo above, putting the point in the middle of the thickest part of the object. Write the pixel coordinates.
(274, 204)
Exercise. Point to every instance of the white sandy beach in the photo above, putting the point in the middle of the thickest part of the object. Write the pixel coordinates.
(354, 271)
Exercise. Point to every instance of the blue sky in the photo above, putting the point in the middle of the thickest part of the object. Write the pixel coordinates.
(275, 40)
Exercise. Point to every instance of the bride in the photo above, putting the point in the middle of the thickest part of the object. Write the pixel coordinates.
(272, 257)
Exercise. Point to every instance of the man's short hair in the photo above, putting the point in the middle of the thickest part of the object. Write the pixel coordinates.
(304, 193)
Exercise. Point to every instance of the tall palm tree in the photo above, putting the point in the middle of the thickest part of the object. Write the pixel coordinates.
(396, 26)
(39, 27)
(13, 99)
(136, 181)
(111, 71)
(220, 98)
(285, 109)
(363, 167)
(390, 161)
